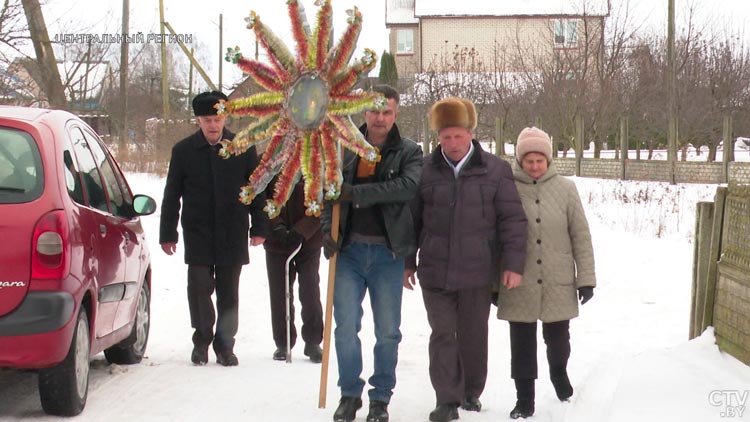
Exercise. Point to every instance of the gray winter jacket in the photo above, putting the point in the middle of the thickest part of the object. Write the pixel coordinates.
(559, 253)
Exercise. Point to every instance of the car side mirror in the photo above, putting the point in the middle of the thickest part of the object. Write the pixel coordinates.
(143, 205)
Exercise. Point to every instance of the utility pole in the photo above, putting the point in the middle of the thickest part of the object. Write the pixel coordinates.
(190, 86)
(124, 53)
(671, 96)
(164, 65)
(221, 49)
(45, 56)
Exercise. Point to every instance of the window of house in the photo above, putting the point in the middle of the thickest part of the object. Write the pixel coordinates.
(566, 33)
(404, 41)
(405, 4)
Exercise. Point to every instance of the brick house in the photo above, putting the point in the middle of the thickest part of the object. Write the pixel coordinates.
(427, 35)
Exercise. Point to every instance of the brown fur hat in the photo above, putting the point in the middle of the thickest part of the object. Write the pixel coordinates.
(453, 112)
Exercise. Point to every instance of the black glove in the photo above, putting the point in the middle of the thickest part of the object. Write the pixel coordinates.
(330, 247)
(346, 195)
(286, 237)
(585, 293)
(279, 233)
(294, 238)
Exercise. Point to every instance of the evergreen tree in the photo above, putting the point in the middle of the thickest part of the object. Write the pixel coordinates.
(388, 73)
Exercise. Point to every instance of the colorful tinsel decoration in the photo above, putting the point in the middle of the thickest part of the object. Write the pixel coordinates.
(306, 109)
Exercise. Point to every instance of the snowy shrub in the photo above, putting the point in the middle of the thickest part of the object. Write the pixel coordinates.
(646, 209)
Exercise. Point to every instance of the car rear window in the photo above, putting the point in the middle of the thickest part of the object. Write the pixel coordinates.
(21, 176)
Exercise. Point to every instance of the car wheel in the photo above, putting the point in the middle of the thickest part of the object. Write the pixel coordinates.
(132, 349)
(63, 388)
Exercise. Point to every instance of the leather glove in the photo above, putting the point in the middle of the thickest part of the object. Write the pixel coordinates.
(585, 293)
(294, 238)
(330, 247)
(347, 194)
(279, 233)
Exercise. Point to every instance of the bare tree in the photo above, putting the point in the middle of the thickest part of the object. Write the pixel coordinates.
(13, 28)
(45, 55)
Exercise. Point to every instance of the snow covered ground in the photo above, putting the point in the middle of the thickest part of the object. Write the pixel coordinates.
(631, 360)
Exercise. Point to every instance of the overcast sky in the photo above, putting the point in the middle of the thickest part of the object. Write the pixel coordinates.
(201, 17)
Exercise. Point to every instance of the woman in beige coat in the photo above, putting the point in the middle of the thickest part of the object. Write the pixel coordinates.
(559, 270)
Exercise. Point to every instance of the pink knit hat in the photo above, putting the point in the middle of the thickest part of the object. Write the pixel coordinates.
(533, 139)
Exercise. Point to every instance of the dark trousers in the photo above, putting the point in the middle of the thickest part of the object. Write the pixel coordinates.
(306, 264)
(523, 363)
(202, 281)
(458, 343)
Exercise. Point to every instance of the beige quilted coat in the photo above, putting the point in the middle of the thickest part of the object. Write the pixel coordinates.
(559, 253)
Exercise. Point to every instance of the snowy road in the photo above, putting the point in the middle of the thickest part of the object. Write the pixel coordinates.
(630, 357)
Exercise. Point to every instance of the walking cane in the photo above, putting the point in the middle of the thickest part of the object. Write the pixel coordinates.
(329, 309)
(289, 303)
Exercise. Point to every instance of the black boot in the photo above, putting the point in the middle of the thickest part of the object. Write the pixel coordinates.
(559, 378)
(314, 352)
(199, 356)
(525, 399)
(378, 411)
(279, 353)
(444, 413)
(227, 358)
(471, 404)
(347, 410)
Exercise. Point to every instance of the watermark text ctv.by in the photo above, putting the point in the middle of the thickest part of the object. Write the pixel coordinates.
(730, 403)
(137, 38)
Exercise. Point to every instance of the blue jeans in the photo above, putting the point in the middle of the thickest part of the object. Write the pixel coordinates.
(361, 267)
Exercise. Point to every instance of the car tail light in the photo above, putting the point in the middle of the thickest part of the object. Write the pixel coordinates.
(51, 248)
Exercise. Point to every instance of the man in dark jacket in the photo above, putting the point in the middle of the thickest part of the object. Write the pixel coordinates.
(377, 231)
(468, 217)
(214, 226)
(291, 228)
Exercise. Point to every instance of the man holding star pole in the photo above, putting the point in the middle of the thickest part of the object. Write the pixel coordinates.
(376, 235)
(304, 116)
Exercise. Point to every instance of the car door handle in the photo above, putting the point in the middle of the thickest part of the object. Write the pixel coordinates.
(102, 229)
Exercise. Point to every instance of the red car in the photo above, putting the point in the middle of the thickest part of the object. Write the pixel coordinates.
(75, 270)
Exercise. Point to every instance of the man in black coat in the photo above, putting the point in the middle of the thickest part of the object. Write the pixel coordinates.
(214, 225)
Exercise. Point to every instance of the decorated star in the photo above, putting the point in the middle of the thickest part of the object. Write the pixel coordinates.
(305, 111)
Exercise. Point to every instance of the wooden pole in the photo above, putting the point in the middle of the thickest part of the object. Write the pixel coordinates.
(221, 49)
(190, 88)
(190, 57)
(624, 146)
(701, 257)
(728, 155)
(671, 96)
(329, 309)
(124, 77)
(714, 255)
(579, 144)
(164, 67)
(499, 136)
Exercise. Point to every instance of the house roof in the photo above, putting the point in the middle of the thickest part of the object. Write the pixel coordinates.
(400, 12)
(86, 79)
(409, 11)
